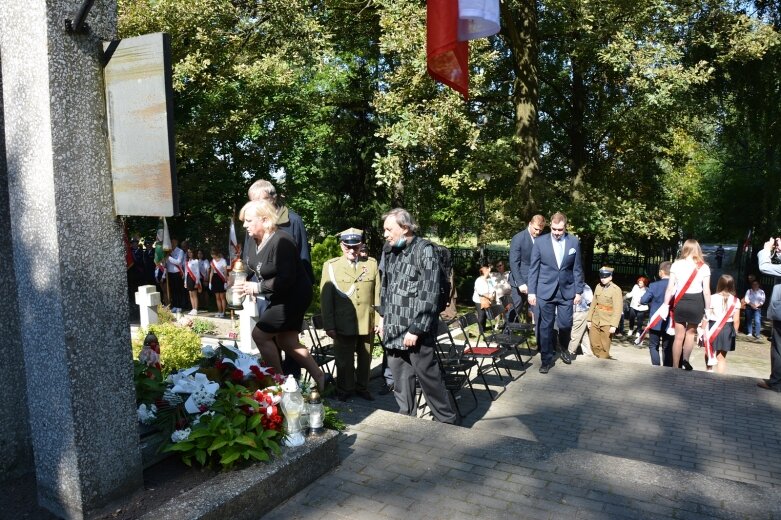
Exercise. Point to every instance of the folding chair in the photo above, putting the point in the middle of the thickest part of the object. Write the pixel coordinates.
(510, 337)
(487, 354)
(322, 345)
(455, 368)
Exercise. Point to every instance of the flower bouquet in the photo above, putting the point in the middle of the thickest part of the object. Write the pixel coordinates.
(220, 412)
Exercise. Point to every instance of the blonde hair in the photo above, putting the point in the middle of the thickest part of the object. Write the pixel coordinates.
(691, 249)
(263, 209)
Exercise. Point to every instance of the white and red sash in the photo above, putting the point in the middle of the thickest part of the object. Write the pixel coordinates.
(192, 275)
(657, 316)
(710, 336)
(219, 273)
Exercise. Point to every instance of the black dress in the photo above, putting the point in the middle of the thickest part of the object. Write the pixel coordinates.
(283, 282)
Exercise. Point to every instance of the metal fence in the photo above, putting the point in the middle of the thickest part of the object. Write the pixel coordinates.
(626, 267)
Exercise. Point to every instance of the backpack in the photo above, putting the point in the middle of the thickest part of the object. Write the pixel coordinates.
(445, 274)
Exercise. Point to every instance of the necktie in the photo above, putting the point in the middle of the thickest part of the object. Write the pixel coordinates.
(559, 251)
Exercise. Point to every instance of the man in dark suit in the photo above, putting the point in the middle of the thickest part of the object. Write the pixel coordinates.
(520, 259)
(654, 297)
(555, 284)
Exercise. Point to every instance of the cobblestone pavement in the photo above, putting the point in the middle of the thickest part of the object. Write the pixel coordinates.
(595, 439)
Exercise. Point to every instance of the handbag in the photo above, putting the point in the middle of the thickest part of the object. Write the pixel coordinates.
(485, 302)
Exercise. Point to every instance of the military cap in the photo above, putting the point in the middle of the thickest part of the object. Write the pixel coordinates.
(605, 271)
(351, 237)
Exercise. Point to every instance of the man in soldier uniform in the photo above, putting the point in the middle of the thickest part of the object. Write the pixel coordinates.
(349, 288)
(604, 313)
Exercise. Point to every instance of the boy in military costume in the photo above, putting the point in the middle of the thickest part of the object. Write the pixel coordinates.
(604, 313)
(349, 290)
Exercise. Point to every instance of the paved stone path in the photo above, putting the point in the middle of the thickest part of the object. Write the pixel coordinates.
(596, 439)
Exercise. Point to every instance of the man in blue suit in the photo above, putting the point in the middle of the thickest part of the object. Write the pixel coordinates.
(555, 284)
(520, 259)
(654, 297)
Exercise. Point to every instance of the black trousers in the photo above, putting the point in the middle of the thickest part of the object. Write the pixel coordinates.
(420, 363)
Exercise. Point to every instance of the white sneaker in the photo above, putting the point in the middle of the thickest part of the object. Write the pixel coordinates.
(637, 334)
(193, 312)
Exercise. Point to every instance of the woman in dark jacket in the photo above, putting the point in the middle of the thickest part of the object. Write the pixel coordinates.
(280, 280)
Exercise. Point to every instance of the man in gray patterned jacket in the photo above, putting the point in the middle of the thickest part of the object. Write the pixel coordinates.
(408, 306)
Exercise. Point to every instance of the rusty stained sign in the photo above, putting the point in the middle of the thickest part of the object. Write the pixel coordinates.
(139, 105)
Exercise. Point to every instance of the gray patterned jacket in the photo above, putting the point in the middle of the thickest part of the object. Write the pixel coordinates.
(410, 289)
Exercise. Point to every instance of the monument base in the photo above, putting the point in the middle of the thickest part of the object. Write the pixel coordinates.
(250, 493)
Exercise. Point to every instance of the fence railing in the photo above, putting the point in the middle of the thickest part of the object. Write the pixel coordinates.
(626, 267)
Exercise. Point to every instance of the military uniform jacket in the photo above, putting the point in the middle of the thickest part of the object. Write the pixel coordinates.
(346, 300)
(607, 305)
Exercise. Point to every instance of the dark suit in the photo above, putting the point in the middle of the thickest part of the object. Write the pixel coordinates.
(555, 288)
(520, 259)
(654, 297)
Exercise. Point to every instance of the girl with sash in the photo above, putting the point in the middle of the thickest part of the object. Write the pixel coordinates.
(723, 319)
(690, 287)
(192, 279)
(218, 279)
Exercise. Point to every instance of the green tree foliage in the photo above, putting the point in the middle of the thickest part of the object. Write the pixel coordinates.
(644, 121)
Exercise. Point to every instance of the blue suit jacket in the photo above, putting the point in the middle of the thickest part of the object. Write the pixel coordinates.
(654, 297)
(545, 275)
(520, 257)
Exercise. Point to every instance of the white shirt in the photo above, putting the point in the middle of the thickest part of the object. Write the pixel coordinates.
(194, 266)
(718, 306)
(559, 248)
(482, 288)
(585, 299)
(221, 266)
(175, 260)
(634, 295)
(682, 269)
(755, 297)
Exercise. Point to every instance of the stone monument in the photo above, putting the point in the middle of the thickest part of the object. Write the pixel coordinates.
(15, 449)
(66, 313)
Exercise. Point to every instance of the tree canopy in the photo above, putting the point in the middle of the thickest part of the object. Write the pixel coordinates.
(644, 121)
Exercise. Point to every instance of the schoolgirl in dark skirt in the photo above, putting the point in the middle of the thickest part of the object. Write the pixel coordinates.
(724, 301)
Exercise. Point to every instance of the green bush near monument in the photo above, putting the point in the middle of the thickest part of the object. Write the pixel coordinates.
(180, 347)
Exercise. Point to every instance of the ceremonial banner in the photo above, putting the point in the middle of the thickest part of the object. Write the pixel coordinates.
(447, 59)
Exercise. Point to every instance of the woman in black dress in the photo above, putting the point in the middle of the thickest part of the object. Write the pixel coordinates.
(280, 279)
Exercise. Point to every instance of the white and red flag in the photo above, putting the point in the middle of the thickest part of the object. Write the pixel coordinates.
(450, 24)
(234, 249)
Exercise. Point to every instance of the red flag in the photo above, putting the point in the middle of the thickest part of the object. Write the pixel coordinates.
(446, 57)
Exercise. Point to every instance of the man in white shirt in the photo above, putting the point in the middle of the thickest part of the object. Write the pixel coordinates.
(755, 299)
(174, 265)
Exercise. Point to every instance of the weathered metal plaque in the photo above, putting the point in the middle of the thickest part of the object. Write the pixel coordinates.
(139, 99)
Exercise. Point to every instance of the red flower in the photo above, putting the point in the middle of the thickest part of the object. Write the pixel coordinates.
(219, 365)
(237, 375)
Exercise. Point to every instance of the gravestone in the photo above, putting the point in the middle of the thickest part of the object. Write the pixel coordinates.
(67, 259)
(147, 298)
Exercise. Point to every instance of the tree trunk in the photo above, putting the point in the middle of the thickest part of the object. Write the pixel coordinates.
(520, 29)
(576, 132)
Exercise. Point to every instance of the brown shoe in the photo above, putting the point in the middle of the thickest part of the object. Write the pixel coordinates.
(763, 384)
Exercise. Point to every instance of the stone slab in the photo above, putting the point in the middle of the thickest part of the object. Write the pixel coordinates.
(250, 493)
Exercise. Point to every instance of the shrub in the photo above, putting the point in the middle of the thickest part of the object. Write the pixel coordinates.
(180, 347)
(325, 250)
